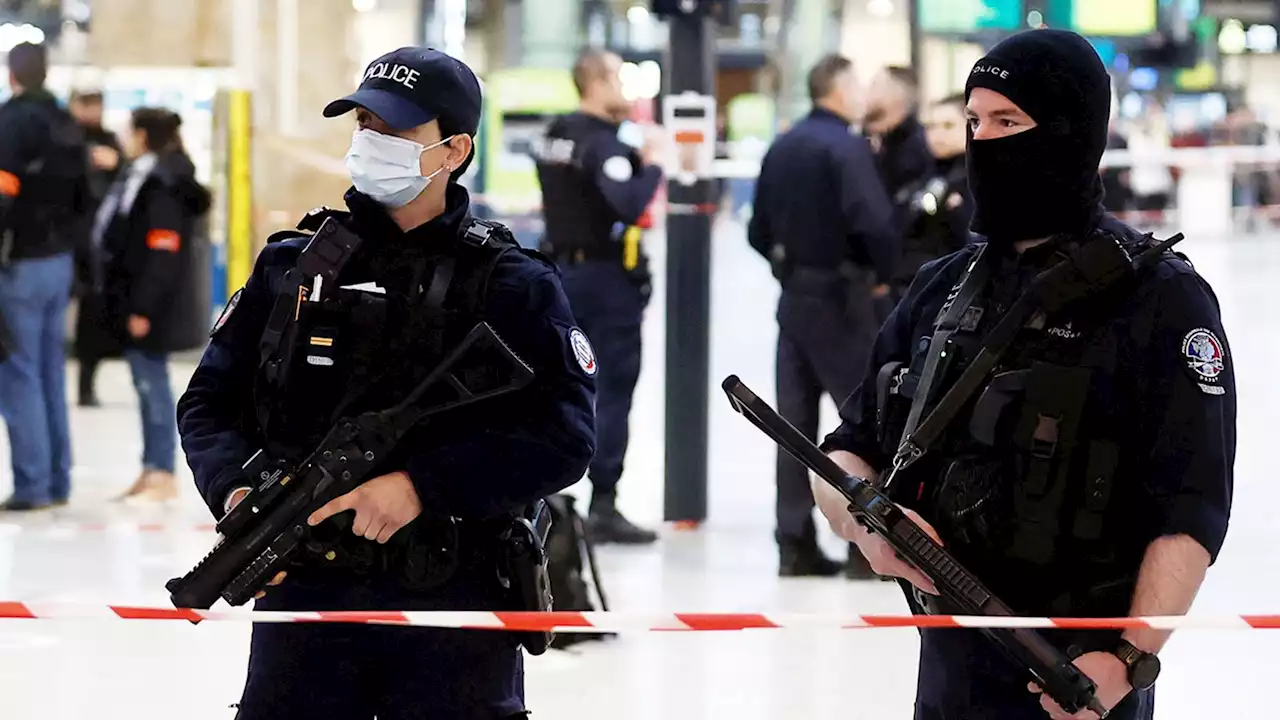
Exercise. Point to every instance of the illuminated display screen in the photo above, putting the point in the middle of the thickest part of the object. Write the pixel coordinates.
(1108, 18)
(966, 16)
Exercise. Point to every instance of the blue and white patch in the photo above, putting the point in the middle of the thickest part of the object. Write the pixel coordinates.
(1205, 357)
(226, 313)
(583, 352)
(618, 168)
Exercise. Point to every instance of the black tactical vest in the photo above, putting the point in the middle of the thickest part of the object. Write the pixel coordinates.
(1020, 483)
(358, 350)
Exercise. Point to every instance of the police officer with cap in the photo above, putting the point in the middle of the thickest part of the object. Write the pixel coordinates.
(598, 177)
(424, 274)
(1056, 403)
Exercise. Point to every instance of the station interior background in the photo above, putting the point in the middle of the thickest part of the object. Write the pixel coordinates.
(1197, 98)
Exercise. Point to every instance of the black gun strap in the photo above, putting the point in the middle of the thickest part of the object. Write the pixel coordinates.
(948, 321)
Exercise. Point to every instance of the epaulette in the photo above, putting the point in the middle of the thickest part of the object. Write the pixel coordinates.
(315, 217)
(309, 223)
(486, 233)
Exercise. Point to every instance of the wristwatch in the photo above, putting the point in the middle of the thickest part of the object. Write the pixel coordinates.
(1143, 667)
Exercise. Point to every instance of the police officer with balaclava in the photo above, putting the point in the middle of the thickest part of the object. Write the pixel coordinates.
(290, 354)
(1055, 404)
(598, 176)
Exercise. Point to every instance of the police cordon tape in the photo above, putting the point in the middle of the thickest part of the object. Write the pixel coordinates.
(624, 622)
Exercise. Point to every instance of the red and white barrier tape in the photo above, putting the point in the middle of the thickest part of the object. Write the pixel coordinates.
(625, 622)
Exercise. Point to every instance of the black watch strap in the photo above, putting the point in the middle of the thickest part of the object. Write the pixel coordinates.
(1142, 667)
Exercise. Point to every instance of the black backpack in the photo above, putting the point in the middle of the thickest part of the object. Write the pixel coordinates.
(567, 546)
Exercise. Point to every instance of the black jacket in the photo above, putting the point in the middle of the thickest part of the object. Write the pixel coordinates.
(44, 166)
(148, 252)
(937, 216)
(904, 161)
(820, 199)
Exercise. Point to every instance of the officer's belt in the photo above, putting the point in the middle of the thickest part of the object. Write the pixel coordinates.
(814, 280)
(611, 252)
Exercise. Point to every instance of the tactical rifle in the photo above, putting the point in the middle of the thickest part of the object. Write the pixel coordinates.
(1052, 669)
(261, 533)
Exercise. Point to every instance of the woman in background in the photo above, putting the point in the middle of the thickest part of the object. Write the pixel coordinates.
(146, 227)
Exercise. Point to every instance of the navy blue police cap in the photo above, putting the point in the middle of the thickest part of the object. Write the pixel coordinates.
(413, 86)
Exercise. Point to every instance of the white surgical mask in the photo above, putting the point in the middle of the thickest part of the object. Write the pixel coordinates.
(388, 168)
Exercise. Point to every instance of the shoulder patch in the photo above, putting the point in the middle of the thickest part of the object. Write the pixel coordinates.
(618, 168)
(583, 352)
(226, 312)
(1205, 357)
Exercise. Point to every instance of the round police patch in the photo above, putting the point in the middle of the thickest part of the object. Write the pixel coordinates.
(226, 313)
(617, 168)
(1204, 354)
(583, 352)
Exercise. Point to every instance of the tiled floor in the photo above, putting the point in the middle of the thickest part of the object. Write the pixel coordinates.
(100, 670)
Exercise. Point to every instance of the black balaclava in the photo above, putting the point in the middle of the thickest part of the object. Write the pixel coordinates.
(1042, 181)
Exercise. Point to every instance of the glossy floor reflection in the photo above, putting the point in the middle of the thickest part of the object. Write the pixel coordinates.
(86, 553)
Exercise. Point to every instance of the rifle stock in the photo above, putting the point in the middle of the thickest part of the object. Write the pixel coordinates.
(1051, 669)
(265, 529)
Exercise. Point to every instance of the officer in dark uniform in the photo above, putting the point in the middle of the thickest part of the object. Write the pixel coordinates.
(823, 221)
(902, 153)
(1081, 465)
(425, 273)
(597, 179)
(938, 209)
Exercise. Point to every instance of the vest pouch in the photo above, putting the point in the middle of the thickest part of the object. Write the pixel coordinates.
(991, 414)
(320, 353)
(1100, 471)
(1046, 435)
(971, 505)
(893, 402)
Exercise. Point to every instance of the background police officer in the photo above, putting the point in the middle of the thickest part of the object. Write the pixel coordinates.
(417, 111)
(902, 153)
(1092, 476)
(938, 210)
(833, 254)
(597, 176)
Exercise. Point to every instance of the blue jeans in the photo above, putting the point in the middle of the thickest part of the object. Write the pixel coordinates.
(33, 394)
(150, 372)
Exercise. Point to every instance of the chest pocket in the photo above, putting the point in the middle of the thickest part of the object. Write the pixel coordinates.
(323, 349)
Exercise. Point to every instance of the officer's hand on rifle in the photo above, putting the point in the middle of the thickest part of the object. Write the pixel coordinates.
(383, 505)
(882, 558)
(233, 501)
(1107, 671)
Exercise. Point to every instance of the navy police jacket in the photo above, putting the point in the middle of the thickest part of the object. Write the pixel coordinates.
(593, 178)
(541, 442)
(1166, 392)
(820, 197)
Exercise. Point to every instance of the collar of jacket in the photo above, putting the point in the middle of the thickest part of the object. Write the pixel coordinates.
(906, 129)
(375, 223)
(821, 113)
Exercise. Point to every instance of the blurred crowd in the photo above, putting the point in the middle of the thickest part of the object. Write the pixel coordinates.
(111, 222)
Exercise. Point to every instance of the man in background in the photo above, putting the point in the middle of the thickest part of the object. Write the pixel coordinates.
(834, 248)
(43, 201)
(939, 210)
(94, 342)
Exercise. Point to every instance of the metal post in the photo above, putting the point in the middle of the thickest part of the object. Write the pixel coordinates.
(690, 68)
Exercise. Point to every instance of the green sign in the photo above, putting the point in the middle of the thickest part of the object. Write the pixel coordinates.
(967, 16)
(1104, 18)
